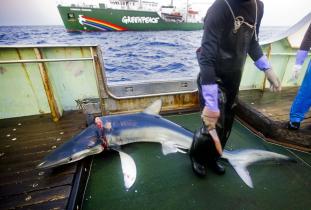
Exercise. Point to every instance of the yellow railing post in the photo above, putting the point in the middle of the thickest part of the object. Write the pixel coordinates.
(48, 88)
(101, 81)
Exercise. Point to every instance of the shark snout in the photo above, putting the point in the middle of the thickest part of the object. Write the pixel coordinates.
(41, 165)
(86, 143)
(50, 163)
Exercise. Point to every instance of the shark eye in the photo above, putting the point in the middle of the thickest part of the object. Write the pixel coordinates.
(70, 158)
(91, 143)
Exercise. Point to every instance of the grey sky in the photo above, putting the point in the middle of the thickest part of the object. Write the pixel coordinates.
(44, 12)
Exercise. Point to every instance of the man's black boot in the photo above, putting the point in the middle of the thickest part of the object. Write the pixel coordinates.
(216, 167)
(198, 168)
(197, 153)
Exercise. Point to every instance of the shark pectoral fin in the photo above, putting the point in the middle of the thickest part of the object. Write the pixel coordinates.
(181, 151)
(128, 168)
(169, 147)
(243, 173)
(154, 108)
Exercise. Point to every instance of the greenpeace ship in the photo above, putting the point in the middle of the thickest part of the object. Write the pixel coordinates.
(129, 15)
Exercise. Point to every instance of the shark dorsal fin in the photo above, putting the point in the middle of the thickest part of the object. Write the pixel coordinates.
(154, 108)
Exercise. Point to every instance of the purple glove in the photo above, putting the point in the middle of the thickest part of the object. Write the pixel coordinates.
(301, 56)
(210, 95)
(262, 63)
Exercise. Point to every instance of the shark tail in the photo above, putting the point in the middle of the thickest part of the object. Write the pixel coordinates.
(241, 159)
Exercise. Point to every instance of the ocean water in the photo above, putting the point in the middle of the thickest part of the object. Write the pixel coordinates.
(128, 56)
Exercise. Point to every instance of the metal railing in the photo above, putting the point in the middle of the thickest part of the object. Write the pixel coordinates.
(44, 60)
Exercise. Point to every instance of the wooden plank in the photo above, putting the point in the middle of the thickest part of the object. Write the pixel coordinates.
(23, 149)
(44, 119)
(52, 205)
(26, 175)
(38, 128)
(24, 143)
(273, 105)
(268, 114)
(42, 183)
(21, 185)
(35, 198)
(36, 132)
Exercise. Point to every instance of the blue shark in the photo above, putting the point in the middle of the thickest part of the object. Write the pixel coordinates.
(113, 131)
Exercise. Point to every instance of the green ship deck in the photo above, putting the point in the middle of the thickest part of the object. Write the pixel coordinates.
(167, 182)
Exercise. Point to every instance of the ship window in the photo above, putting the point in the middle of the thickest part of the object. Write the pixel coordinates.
(71, 16)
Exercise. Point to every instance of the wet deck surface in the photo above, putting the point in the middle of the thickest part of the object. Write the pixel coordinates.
(268, 114)
(23, 143)
(167, 181)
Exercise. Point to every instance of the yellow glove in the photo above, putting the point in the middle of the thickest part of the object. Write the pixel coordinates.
(275, 84)
(210, 118)
(295, 72)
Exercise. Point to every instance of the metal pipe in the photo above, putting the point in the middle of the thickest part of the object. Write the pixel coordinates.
(149, 95)
(43, 60)
(48, 46)
(282, 54)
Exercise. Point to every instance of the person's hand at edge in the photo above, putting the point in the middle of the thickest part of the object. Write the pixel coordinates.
(275, 84)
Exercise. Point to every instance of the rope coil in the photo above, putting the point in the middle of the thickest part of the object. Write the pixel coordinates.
(239, 20)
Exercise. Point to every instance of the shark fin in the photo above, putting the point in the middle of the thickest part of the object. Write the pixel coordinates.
(241, 159)
(154, 108)
(128, 168)
(243, 173)
(169, 147)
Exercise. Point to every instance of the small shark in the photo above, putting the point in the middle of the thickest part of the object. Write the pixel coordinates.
(111, 132)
